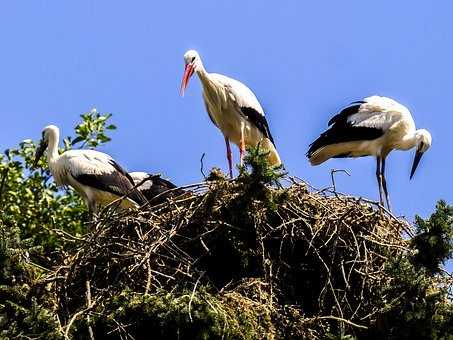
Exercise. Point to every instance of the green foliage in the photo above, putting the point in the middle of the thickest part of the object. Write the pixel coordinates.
(255, 177)
(184, 315)
(416, 306)
(33, 211)
(434, 239)
(341, 337)
(23, 311)
(256, 170)
(27, 319)
(30, 200)
(32, 203)
(92, 130)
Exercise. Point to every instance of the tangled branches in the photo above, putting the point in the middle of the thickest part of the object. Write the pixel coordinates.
(306, 262)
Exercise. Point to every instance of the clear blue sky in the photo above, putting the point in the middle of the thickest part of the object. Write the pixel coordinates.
(304, 60)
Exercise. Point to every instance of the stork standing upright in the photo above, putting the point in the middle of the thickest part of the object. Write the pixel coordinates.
(371, 127)
(93, 174)
(233, 108)
(154, 188)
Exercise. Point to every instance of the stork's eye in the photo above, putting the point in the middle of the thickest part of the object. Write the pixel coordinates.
(422, 146)
(193, 59)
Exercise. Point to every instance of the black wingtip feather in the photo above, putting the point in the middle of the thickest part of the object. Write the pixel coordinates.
(358, 102)
(259, 121)
(160, 190)
(342, 133)
(119, 183)
(345, 113)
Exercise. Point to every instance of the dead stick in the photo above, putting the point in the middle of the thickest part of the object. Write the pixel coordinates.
(331, 317)
(193, 293)
(88, 296)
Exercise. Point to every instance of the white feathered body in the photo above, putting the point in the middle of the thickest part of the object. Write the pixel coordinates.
(380, 113)
(224, 97)
(73, 163)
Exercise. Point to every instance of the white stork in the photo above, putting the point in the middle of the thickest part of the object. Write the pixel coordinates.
(371, 127)
(93, 174)
(153, 185)
(233, 108)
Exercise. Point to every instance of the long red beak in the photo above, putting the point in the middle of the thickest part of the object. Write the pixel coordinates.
(188, 71)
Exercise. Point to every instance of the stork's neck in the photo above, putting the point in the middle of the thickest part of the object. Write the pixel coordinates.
(210, 85)
(407, 142)
(201, 71)
(52, 147)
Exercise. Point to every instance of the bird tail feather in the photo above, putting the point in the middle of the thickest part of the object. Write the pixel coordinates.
(324, 153)
(273, 157)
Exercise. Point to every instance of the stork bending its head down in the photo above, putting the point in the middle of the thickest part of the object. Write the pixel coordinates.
(233, 108)
(93, 174)
(371, 127)
(156, 189)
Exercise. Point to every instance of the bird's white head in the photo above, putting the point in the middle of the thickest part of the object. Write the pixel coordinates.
(193, 63)
(423, 143)
(50, 134)
(424, 140)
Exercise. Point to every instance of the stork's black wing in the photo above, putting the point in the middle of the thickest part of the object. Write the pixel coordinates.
(353, 108)
(117, 182)
(258, 119)
(343, 133)
(342, 129)
(157, 189)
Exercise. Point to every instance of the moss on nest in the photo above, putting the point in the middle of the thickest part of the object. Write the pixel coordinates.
(187, 314)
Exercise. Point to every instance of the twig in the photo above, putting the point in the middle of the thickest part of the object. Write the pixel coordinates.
(88, 297)
(148, 278)
(332, 172)
(202, 165)
(193, 293)
(74, 317)
(331, 317)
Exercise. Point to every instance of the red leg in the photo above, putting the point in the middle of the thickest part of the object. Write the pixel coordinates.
(229, 157)
(242, 151)
(242, 146)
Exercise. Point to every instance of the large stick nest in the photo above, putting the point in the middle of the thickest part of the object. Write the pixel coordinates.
(303, 261)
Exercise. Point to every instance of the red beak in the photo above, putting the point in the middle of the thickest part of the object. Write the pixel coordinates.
(188, 71)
